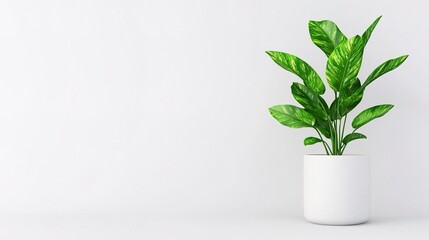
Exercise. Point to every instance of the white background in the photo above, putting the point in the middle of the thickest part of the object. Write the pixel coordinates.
(159, 108)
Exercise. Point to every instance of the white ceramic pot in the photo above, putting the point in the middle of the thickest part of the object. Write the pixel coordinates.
(337, 189)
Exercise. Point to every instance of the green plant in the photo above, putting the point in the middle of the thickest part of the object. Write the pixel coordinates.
(342, 68)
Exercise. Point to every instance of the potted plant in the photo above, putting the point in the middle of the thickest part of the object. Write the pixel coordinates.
(336, 186)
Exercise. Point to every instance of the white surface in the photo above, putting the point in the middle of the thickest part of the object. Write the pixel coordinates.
(337, 189)
(130, 227)
(160, 106)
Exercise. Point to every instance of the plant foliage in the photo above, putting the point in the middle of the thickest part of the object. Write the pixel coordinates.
(344, 62)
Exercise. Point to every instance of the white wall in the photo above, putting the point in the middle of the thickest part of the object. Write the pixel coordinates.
(161, 106)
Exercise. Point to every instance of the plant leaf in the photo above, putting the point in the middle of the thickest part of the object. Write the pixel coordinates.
(308, 99)
(304, 94)
(323, 127)
(344, 64)
(367, 34)
(326, 35)
(311, 141)
(292, 116)
(323, 104)
(353, 136)
(386, 67)
(351, 88)
(347, 104)
(334, 111)
(299, 67)
(370, 114)
(348, 100)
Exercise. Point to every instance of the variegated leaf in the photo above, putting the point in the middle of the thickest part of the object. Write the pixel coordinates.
(347, 104)
(292, 116)
(323, 127)
(299, 67)
(386, 67)
(351, 88)
(349, 98)
(311, 140)
(323, 104)
(344, 64)
(367, 34)
(370, 114)
(326, 35)
(353, 136)
(308, 99)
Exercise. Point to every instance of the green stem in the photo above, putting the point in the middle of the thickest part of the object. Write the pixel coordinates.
(334, 137)
(325, 145)
(331, 129)
(345, 145)
(339, 135)
(344, 126)
(337, 125)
